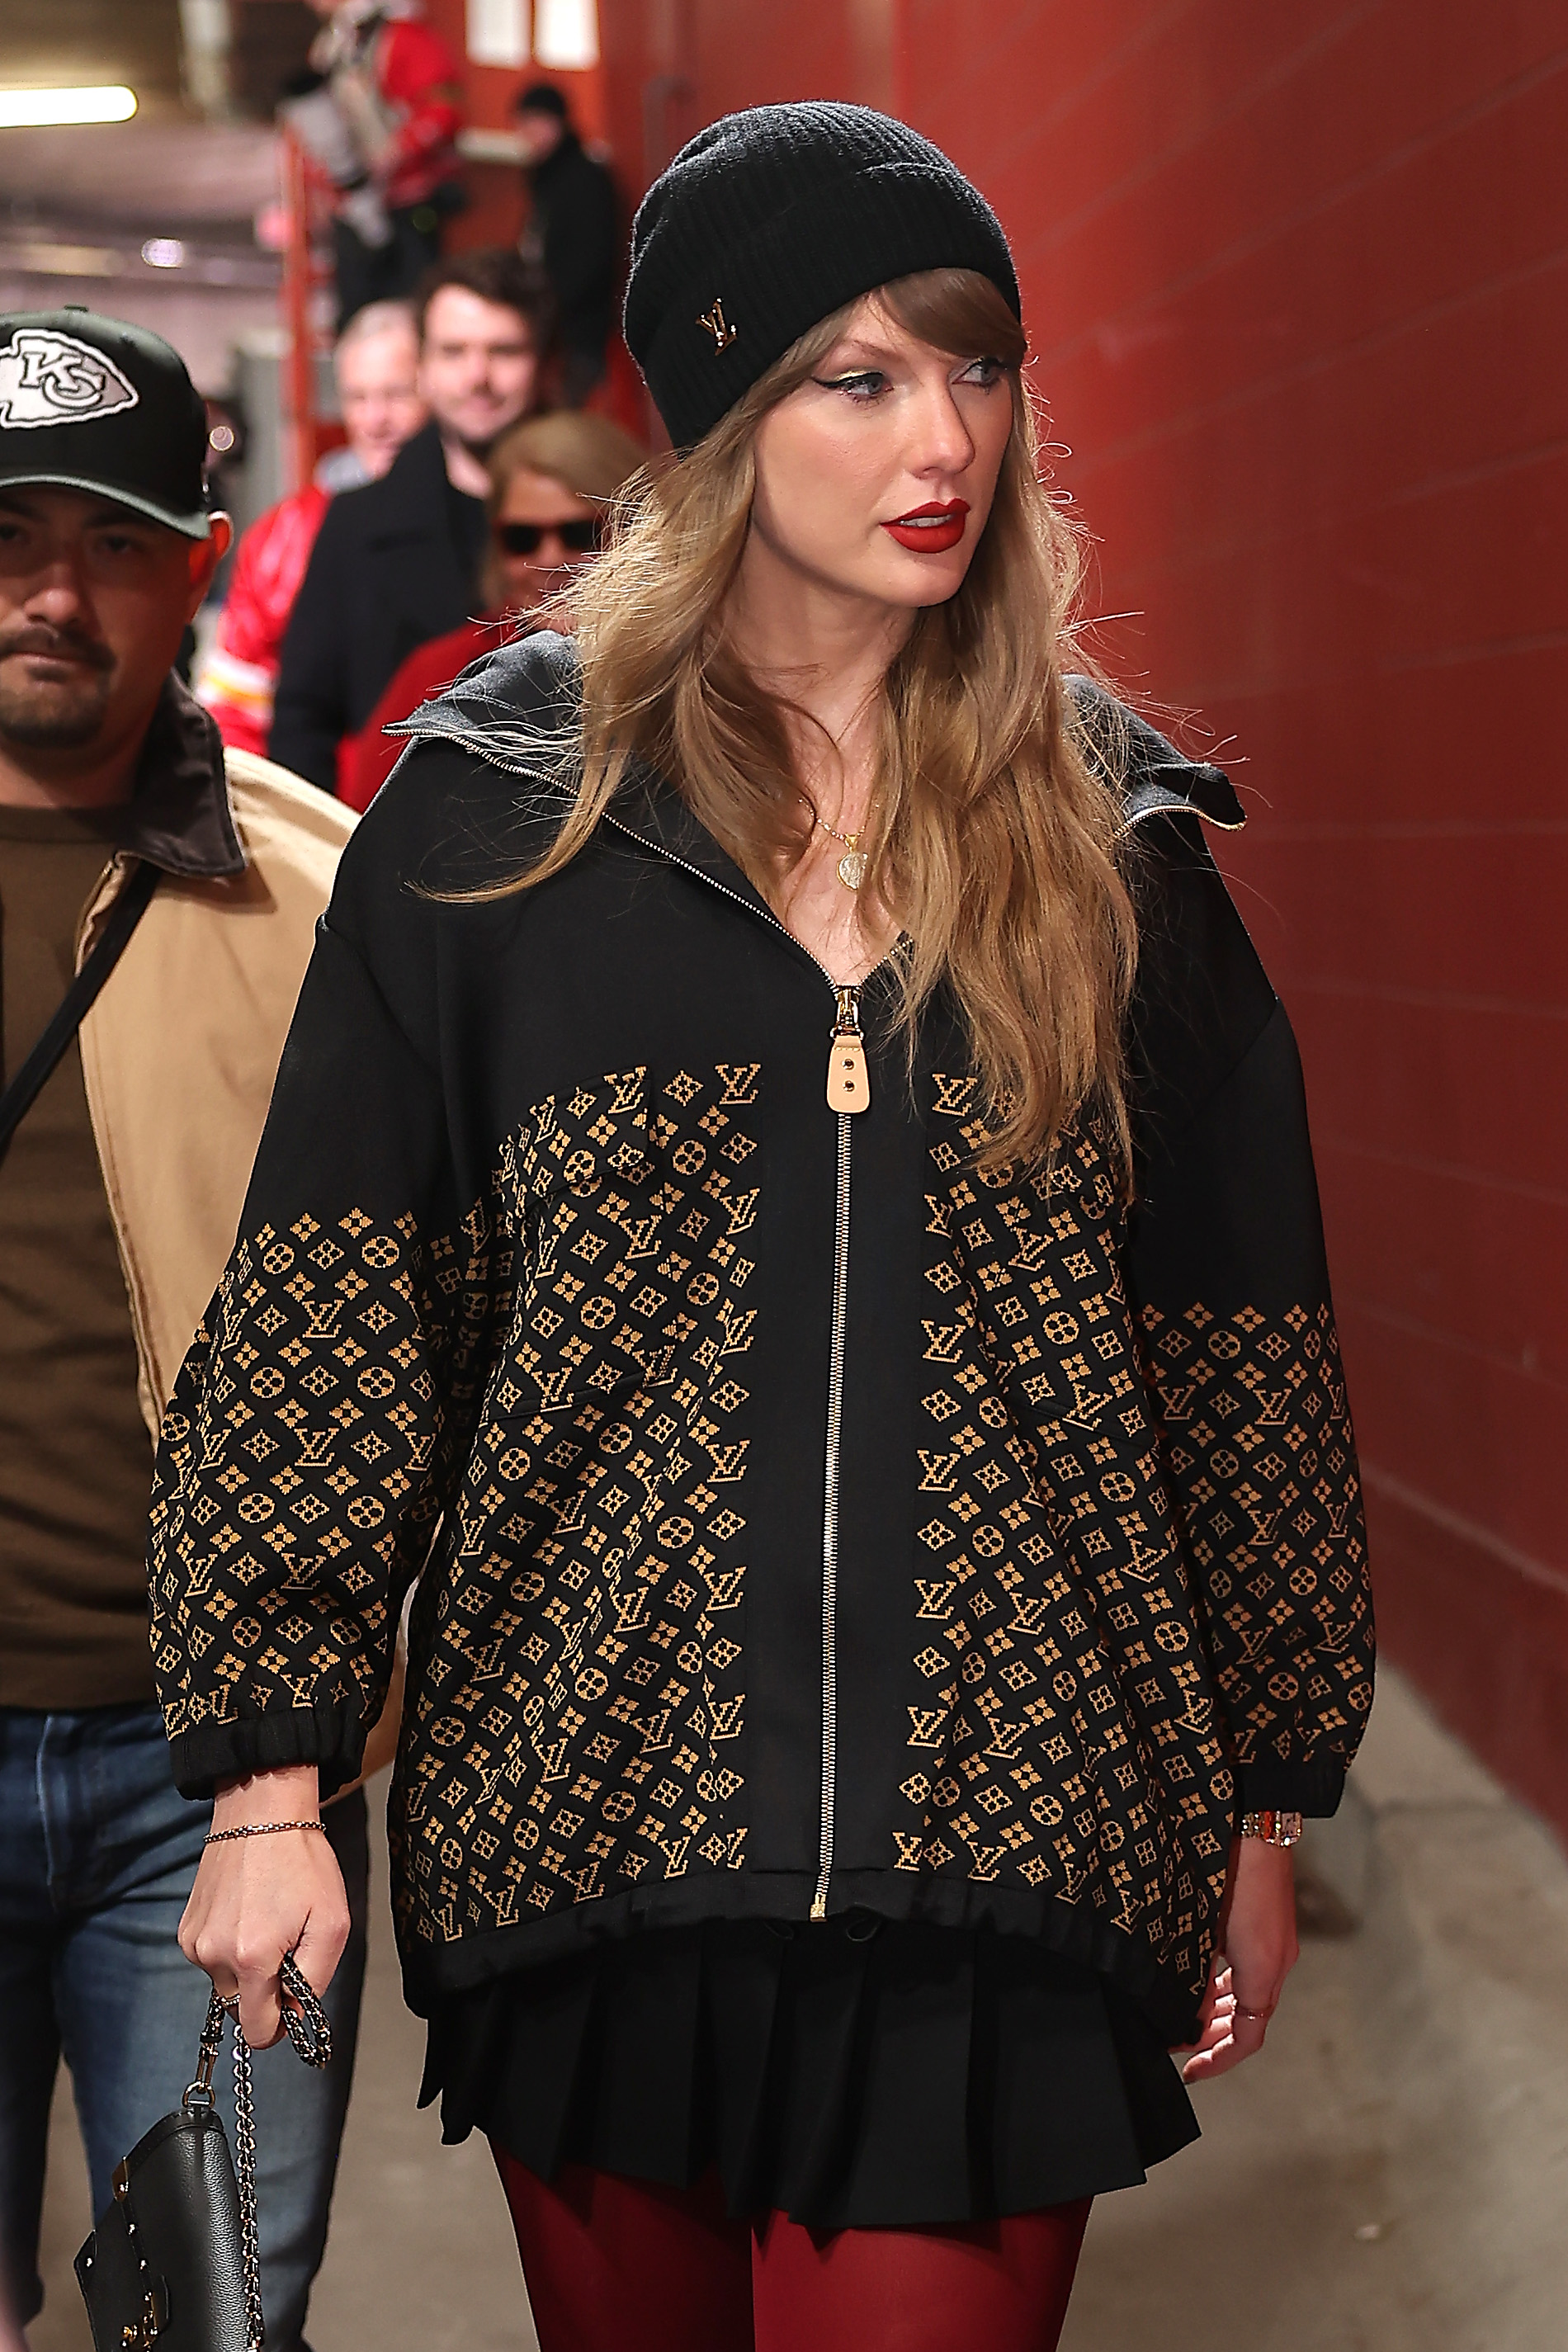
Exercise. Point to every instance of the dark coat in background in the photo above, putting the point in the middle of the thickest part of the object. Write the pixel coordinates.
(575, 233)
(388, 573)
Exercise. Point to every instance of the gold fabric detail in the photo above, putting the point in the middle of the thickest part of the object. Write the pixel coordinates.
(587, 1737)
(1064, 1734)
(1261, 1458)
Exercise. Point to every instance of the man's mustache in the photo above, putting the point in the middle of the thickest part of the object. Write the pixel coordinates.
(62, 645)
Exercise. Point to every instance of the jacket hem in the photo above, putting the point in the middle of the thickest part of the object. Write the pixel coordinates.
(432, 1972)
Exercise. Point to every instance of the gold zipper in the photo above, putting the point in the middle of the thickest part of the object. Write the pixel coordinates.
(849, 1093)
(848, 1080)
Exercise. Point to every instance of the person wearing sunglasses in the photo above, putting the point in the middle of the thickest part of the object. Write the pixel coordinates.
(552, 482)
(563, 542)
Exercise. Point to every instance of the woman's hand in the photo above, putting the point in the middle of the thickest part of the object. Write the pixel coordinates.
(1257, 1952)
(257, 1898)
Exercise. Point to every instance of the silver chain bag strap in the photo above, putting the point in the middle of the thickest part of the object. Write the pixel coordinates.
(175, 2261)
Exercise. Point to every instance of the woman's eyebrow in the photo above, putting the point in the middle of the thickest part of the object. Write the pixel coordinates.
(859, 353)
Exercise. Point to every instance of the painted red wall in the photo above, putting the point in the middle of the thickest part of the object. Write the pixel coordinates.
(1297, 279)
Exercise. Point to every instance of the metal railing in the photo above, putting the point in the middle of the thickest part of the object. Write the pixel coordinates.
(307, 273)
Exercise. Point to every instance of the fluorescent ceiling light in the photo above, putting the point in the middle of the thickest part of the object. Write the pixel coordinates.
(65, 260)
(107, 102)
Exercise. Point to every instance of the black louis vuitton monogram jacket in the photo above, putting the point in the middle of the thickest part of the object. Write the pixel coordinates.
(804, 1519)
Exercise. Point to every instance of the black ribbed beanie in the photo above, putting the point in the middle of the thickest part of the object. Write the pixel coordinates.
(769, 220)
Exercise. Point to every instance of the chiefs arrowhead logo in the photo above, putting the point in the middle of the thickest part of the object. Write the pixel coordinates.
(47, 378)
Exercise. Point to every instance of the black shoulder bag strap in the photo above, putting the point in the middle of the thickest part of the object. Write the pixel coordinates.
(74, 1004)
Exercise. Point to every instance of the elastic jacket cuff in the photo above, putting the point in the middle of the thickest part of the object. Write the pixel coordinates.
(329, 1734)
(1313, 1788)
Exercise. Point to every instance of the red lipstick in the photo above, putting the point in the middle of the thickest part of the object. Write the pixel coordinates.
(930, 529)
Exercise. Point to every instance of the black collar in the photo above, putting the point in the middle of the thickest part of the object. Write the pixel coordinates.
(649, 809)
(179, 815)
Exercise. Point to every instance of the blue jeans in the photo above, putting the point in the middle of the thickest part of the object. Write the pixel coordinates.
(98, 1853)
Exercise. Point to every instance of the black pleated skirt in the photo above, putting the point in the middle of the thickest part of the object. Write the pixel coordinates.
(853, 2074)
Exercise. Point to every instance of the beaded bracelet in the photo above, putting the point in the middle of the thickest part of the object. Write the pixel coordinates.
(258, 1829)
(1274, 1827)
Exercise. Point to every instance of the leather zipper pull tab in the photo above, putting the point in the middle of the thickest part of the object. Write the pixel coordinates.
(848, 1079)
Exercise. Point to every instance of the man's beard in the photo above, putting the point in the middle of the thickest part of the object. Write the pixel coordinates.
(64, 716)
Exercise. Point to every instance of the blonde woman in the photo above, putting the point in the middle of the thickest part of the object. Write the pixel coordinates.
(788, 1207)
(553, 481)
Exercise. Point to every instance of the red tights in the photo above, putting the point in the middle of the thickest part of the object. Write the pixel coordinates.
(616, 2265)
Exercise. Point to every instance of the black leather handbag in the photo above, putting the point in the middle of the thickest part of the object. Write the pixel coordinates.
(174, 2261)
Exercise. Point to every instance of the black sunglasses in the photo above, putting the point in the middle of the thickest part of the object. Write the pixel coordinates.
(528, 537)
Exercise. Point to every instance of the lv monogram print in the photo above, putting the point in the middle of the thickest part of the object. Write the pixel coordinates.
(1068, 1735)
(313, 1424)
(1260, 1455)
(1126, 1522)
(1065, 1737)
(578, 1671)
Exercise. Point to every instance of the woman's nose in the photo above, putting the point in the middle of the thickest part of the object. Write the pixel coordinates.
(943, 443)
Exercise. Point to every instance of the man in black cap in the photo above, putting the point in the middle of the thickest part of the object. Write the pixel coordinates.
(186, 887)
(573, 232)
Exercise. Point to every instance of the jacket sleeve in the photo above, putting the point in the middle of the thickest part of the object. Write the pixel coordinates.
(1230, 1290)
(319, 1424)
(310, 715)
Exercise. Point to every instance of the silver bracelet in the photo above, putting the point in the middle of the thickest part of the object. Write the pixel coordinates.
(259, 1829)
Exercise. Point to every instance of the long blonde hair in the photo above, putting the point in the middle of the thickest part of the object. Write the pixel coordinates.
(993, 844)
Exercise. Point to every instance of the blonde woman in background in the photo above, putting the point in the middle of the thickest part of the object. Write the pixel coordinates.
(553, 481)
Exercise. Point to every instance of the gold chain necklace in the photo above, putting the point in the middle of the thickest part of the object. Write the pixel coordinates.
(853, 863)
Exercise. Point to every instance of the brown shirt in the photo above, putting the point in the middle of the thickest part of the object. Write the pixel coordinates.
(76, 1465)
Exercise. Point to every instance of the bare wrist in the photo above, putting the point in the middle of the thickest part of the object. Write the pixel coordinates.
(290, 1792)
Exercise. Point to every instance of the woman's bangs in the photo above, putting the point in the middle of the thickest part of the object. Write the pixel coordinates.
(957, 310)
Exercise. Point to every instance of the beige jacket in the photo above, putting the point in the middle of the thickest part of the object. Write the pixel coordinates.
(181, 1050)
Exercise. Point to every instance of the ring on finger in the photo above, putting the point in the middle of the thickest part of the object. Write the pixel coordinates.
(1258, 2016)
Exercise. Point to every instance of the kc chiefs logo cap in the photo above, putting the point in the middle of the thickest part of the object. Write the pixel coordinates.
(97, 405)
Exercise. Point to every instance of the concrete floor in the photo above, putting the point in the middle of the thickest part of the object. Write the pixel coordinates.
(1391, 2177)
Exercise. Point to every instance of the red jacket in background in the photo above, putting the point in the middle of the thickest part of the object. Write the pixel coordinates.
(419, 83)
(428, 670)
(238, 672)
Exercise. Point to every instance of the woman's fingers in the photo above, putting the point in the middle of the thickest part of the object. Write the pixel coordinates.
(321, 1946)
(1236, 2035)
(260, 2013)
(1258, 1924)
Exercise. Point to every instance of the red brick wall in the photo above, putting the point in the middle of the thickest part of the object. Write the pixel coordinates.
(1297, 279)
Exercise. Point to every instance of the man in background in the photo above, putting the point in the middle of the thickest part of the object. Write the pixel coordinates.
(397, 562)
(377, 363)
(120, 1187)
(572, 233)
